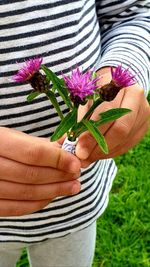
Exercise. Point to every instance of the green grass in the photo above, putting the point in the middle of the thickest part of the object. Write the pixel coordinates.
(123, 231)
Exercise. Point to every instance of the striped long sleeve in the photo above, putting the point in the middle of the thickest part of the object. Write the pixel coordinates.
(66, 34)
(125, 36)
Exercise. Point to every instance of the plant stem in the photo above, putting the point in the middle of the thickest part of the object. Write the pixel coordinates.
(54, 102)
(92, 108)
(80, 127)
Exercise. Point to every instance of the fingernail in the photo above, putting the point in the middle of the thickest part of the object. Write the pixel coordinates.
(76, 188)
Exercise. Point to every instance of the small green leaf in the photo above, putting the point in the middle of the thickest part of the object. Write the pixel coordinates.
(111, 115)
(66, 124)
(53, 100)
(53, 77)
(32, 95)
(97, 135)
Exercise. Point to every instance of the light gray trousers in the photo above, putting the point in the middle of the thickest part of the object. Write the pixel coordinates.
(73, 250)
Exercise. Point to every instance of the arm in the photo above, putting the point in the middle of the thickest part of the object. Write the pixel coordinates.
(125, 28)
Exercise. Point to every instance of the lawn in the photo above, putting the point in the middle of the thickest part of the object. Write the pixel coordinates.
(123, 231)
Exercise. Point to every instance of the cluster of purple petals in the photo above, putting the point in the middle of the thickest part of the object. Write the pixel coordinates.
(81, 84)
(122, 77)
(28, 69)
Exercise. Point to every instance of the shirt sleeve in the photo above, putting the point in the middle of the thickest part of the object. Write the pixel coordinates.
(125, 33)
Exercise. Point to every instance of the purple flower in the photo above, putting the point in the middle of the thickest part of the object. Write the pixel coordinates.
(122, 77)
(80, 85)
(29, 68)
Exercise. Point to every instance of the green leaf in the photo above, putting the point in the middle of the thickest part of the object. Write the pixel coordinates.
(111, 115)
(97, 135)
(66, 124)
(32, 95)
(107, 116)
(53, 77)
(58, 84)
(53, 100)
(79, 128)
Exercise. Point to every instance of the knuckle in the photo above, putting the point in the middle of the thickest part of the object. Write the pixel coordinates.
(34, 154)
(75, 176)
(32, 175)
(58, 191)
(28, 193)
(14, 209)
(59, 160)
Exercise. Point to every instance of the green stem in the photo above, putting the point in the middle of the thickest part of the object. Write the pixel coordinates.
(71, 133)
(52, 98)
(79, 127)
(92, 108)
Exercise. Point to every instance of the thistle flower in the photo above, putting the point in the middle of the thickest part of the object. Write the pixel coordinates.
(30, 73)
(29, 68)
(80, 85)
(120, 78)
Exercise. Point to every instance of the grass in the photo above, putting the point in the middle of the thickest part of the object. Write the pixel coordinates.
(123, 231)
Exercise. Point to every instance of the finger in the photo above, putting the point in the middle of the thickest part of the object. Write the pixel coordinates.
(15, 191)
(27, 174)
(122, 127)
(121, 149)
(139, 130)
(35, 151)
(19, 208)
(131, 143)
(82, 110)
(82, 149)
(141, 119)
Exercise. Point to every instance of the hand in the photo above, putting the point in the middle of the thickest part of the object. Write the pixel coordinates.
(33, 171)
(122, 134)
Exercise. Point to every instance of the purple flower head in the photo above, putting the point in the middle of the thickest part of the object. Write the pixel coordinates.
(81, 85)
(29, 68)
(122, 77)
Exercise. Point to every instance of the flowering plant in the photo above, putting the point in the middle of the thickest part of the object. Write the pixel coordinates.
(76, 90)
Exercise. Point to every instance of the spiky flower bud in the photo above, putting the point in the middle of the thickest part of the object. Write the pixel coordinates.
(80, 85)
(121, 78)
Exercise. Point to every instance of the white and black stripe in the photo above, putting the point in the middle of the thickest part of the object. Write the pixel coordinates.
(125, 29)
(66, 34)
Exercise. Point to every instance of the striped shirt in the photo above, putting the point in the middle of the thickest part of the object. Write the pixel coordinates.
(66, 33)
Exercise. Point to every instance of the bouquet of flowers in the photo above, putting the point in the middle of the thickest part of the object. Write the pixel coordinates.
(76, 90)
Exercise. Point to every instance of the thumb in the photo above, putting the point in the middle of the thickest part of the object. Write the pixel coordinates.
(85, 145)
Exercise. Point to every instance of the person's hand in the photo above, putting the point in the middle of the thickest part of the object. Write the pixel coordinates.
(122, 134)
(33, 171)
